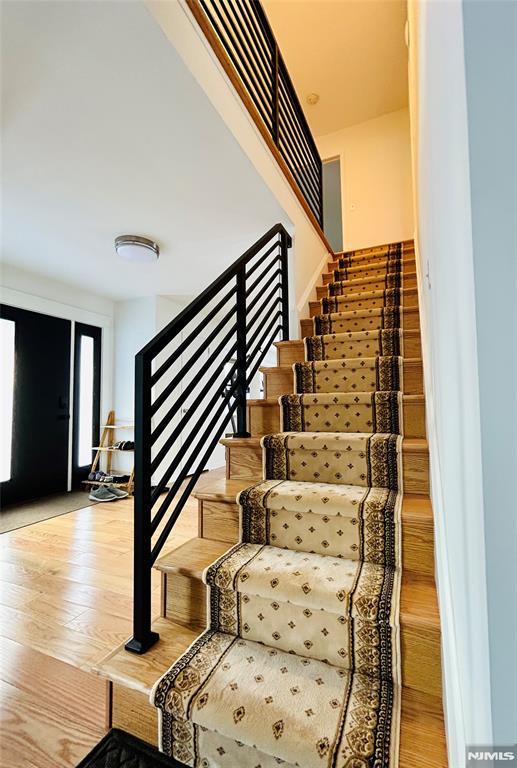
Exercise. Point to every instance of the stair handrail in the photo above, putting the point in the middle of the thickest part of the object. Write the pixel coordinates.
(248, 314)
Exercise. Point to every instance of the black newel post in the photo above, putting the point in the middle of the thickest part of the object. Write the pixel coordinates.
(143, 638)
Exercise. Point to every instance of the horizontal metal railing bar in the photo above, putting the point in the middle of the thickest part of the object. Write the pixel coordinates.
(259, 295)
(237, 61)
(288, 133)
(169, 389)
(176, 353)
(179, 456)
(259, 279)
(284, 75)
(256, 31)
(177, 430)
(157, 344)
(294, 168)
(256, 62)
(262, 259)
(239, 49)
(287, 115)
(252, 340)
(295, 162)
(267, 345)
(267, 305)
(188, 489)
(195, 451)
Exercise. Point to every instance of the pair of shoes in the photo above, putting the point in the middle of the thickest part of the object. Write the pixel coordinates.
(103, 493)
(124, 445)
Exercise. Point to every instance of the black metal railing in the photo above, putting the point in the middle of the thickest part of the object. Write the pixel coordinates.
(191, 381)
(244, 31)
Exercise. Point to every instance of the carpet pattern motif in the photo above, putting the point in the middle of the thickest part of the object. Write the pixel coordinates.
(300, 661)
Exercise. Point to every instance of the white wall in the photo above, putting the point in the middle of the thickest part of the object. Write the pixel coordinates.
(376, 180)
(309, 254)
(490, 30)
(444, 251)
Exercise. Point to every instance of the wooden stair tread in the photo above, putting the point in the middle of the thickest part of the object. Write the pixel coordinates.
(409, 444)
(269, 401)
(411, 332)
(217, 487)
(285, 368)
(141, 672)
(418, 607)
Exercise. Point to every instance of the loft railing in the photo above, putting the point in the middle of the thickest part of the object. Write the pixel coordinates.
(242, 29)
(191, 381)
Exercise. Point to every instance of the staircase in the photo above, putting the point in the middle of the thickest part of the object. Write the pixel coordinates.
(357, 370)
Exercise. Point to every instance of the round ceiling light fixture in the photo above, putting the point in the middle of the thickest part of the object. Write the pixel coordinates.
(136, 248)
(313, 99)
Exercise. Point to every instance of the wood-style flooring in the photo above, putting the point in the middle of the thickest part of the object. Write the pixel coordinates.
(65, 602)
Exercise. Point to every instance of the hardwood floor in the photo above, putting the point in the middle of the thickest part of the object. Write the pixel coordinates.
(65, 602)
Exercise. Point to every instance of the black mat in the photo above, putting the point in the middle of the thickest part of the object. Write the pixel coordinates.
(119, 749)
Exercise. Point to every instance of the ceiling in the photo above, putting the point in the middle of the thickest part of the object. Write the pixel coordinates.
(105, 132)
(352, 53)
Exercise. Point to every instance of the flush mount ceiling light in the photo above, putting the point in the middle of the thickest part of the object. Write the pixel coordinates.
(313, 99)
(136, 248)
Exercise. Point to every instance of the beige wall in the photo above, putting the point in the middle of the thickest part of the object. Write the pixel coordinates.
(375, 179)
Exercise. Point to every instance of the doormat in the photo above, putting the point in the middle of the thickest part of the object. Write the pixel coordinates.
(119, 749)
(30, 512)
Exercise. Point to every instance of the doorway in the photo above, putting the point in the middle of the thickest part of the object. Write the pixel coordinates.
(332, 206)
(42, 450)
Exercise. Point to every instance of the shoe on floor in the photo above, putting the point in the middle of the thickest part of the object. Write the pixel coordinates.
(102, 494)
(119, 493)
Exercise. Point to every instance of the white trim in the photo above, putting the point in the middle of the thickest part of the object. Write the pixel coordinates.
(313, 282)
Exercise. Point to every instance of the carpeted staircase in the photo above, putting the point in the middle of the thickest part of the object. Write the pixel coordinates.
(300, 663)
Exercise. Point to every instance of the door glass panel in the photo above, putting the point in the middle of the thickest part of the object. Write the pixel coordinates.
(86, 384)
(6, 397)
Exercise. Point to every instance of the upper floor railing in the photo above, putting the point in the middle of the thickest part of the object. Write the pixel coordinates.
(241, 29)
(191, 382)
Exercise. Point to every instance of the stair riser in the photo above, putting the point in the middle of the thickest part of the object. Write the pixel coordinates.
(410, 321)
(322, 290)
(294, 351)
(246, 462)
(421, 662)
(220, 522)
(408, 297)
(264, 418)
(280, 381)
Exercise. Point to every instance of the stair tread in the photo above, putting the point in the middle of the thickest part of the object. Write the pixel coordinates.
(422, 726)
(285, 368)
(298, 342)
(217, 487)
(409, 444)
(418, 607)
(269, 401)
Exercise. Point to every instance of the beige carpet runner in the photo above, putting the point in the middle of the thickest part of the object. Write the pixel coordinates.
(300, 663)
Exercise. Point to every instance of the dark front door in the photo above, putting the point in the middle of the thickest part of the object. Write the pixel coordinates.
(40, 405)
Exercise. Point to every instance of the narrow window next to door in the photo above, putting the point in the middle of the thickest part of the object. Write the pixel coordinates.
(6, 397)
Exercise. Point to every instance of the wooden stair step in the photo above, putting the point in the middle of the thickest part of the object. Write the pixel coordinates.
(244, 459)
(264, 416)
(422, 731)
(219, 520)
(408, 298)
(322, 290)
(409, 320)
(279, 380)
(419, 618)
(407, 263)
(293, 350)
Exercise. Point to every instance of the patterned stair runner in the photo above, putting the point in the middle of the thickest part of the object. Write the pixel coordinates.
(300, 662)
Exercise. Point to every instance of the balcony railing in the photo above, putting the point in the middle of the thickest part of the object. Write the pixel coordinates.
(240, 31)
